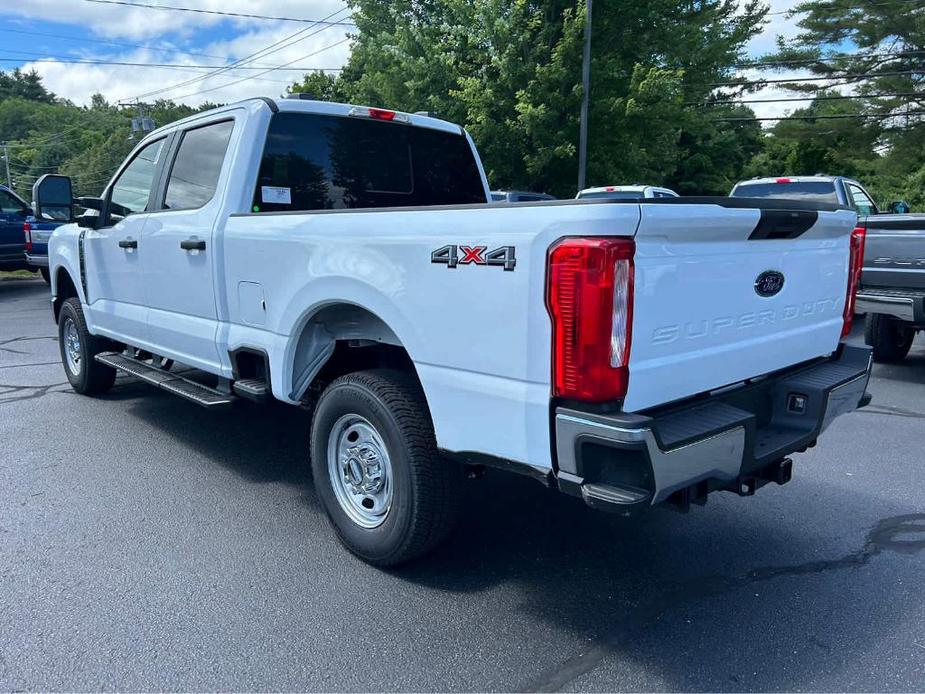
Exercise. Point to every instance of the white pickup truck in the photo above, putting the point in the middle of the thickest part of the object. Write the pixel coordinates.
(346, 259)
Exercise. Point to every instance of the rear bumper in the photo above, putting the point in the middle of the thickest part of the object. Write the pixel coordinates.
(906, 305)
(36, 260)
(736, 440)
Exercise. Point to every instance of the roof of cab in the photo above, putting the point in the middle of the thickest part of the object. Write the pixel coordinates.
(303, 105)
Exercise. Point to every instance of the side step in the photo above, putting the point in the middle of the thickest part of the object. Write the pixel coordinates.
(255, 389)
(172, 383)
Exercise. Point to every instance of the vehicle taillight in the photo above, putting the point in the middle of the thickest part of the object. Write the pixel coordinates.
(27, 231)
(782, 180)
(855, 264)
(379, 114)
(589, 295)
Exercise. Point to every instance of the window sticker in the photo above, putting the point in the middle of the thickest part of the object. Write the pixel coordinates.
(276, 195)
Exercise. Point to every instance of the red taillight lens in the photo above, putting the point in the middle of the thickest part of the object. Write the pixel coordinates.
(855, 264)
(589, 295)
(381, 114)
(27, 231)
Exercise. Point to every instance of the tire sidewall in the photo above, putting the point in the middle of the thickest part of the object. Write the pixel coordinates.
(372, 544)
(68, 311)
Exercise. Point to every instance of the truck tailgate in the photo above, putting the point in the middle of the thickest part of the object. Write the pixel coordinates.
(701, 317)
(894, 252)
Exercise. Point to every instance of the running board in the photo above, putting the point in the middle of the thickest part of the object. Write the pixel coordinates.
(172, 383)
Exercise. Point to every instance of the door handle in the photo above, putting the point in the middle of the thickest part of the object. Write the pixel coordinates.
(193, 245)
(128, 243)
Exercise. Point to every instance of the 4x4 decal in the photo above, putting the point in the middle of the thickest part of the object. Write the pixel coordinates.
(474, 255)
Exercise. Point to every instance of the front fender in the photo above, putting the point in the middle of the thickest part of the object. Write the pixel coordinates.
(64, 253)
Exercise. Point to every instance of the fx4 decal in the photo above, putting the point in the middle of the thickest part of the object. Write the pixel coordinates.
(474, 255)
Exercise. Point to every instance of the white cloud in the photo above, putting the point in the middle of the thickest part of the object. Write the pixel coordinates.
(78, 82)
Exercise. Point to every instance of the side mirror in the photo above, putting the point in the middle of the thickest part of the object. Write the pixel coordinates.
(899, 207)
(53, 198)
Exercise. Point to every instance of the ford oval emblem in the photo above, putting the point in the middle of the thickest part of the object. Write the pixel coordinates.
(769, 283)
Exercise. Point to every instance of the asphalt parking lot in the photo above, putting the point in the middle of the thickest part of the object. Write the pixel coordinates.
(146, 544)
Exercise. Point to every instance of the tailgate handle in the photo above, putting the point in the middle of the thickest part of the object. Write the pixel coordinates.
(783, 224)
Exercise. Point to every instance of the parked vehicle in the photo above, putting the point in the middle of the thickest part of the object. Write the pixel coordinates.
(836, 190)
(892, 290)
(346, 259)
(634, 192)
(518, 196)
(892, 287)
(13, 212)
(37, 233)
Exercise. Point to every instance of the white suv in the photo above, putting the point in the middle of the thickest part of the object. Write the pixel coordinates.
(634, 192)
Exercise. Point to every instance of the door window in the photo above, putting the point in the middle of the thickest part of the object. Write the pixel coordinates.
(862, 202)
(132, 190)
(9, 204)
(194, 176)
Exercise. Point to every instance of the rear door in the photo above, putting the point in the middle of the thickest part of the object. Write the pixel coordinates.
(180, 255)
(12, 239)
(724, 294)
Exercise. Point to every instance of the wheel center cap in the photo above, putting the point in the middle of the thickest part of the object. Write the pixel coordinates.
(362, 470)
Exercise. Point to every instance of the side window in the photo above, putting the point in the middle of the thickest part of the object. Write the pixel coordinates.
(9, 204)
(862, 202)
(196, 168)
(130, 192)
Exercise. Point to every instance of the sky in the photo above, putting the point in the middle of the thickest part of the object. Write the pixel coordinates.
(42, 34)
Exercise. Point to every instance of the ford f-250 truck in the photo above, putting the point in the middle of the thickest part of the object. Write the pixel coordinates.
(347, 259)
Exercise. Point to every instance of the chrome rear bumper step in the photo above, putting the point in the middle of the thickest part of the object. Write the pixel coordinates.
(173, 383)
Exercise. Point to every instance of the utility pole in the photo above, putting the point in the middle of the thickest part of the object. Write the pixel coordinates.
(142, 123)
(6, 161)
(585, 90)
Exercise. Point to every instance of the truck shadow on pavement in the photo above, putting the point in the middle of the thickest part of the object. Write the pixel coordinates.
(662, 592)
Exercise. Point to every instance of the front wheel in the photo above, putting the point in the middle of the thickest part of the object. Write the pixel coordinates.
(78, 349)
(890, 338)
(388, 493)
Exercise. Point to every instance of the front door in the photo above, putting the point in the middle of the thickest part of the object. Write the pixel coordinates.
(180, 251)
(12, 240)
(113, 253)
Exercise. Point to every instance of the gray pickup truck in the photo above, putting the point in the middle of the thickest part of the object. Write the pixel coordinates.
(892, 289)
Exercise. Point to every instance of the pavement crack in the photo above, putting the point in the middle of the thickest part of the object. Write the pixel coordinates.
(20, 393)
(904, 534)
(891, 411)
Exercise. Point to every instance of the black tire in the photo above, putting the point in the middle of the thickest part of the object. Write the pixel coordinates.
(86, 375)
(890, 338)
(425, 486)
(45, 275)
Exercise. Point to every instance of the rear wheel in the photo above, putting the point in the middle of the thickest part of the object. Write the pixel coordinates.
(890, 338)
(78, 349)
(388, 493)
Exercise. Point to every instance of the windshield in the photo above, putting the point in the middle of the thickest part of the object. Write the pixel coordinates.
(811, 191)
(613, 195)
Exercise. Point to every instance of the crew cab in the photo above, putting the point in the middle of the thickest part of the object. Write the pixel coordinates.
(347, 259)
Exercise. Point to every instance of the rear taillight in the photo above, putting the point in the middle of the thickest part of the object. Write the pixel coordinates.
(27, 231)
(855, 264)
(589, 295)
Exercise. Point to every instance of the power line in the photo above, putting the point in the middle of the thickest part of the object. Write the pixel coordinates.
(177, 66)
(837, 97)
(826, 59)
(250, 77)
(272, 48)
(862, 76)
(217, 12)
(836, 6)
(109, 43)
(842, 116)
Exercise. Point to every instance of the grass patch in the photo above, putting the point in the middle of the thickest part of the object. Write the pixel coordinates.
(18, 275)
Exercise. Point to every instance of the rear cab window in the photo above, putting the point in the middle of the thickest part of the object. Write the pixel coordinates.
(196, 168)
(322, 162)
(808, 191)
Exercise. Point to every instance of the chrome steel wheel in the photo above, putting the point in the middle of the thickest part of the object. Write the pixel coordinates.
(360, 470)
(72, 346)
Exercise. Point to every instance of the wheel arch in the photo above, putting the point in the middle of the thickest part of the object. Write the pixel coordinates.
(339, 337)
(63, 288)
